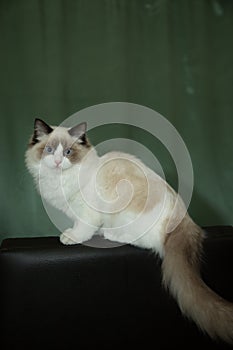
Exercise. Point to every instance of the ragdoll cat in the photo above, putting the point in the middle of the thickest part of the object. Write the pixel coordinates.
(119, 197)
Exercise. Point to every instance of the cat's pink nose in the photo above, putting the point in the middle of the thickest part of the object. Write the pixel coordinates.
(57, 161)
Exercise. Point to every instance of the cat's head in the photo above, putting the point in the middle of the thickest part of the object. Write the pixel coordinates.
(57, 147)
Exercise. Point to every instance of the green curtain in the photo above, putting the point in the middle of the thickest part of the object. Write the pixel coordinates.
(60, 56)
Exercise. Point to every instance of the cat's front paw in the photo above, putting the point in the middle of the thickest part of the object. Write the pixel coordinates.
(68, 237)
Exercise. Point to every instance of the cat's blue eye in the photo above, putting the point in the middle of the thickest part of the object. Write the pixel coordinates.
(49, 149)
(68, 152)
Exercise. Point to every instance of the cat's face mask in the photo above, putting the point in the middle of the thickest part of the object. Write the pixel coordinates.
(58, 157)
(58, 147)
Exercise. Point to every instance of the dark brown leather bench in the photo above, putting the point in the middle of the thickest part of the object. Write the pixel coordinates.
(78, 297)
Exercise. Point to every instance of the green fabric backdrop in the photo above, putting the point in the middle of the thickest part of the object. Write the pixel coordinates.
(175, 57)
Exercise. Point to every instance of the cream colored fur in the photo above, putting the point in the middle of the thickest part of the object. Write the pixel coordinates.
(117, 196)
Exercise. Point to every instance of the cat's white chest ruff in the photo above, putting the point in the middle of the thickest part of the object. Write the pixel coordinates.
(56, 189)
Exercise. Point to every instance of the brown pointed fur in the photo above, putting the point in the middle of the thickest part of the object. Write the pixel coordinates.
(181, 275)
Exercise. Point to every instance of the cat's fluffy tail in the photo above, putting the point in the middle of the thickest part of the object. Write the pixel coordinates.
(181, 276)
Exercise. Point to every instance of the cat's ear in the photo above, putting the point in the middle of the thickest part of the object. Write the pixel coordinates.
(79, 132)
(40, 129)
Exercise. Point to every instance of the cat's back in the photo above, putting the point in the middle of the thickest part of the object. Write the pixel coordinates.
(121, 164)
(124, 164)
(123, 174)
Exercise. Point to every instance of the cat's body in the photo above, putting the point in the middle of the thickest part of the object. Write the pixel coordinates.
(117, 196)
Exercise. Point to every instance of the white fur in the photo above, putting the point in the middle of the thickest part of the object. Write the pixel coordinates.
(74, 189)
